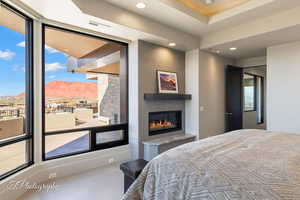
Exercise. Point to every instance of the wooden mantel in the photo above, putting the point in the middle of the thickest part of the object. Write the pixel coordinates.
(164, 96)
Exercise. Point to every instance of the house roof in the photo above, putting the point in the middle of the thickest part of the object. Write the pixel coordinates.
(12, 20)
(75, 45)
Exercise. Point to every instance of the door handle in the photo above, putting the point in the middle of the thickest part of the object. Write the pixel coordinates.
(228, 113)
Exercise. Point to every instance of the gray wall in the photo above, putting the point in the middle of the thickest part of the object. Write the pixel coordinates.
(252, 62)
(250, 118)
(205, 80)
(283, 97)
(212, 71)
(151, 58)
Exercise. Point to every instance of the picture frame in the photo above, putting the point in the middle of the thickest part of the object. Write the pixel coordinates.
(167, 82)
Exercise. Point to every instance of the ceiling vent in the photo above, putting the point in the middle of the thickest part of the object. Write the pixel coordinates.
(94, 23)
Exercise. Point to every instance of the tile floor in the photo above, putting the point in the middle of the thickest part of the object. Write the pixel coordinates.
(105, 183)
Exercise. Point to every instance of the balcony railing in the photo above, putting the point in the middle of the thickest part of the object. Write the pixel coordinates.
(70, 109)
(94, 144)
(10, 113)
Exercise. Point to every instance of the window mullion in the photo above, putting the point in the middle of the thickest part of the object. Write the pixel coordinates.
(37, 89)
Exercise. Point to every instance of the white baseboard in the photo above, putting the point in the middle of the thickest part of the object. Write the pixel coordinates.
(63, 167)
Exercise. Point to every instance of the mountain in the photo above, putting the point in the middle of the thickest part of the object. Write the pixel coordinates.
(65, 89)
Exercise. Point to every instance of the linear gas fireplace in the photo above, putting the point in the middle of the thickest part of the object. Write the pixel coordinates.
(164, 122)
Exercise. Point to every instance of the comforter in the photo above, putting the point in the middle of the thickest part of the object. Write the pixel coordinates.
(240, 165)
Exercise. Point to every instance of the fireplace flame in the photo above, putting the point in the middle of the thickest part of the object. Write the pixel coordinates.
(161, 124)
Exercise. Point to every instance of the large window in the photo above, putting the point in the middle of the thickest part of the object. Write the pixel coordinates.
(254, 95)
(15, 91)
(249, 93)
(85, 93)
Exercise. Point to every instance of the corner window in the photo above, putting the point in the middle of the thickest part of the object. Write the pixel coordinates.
(16, 120)
(85, 93)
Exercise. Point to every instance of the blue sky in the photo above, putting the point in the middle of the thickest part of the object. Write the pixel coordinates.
(12, 64)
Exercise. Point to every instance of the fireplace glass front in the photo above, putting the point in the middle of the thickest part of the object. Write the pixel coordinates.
(164, 122)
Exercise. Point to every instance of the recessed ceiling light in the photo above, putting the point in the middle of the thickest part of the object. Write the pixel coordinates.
(172, 44)
(209, 1)
(140, 5)
(233, 49)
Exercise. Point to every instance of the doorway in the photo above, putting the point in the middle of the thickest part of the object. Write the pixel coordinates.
(245, 98)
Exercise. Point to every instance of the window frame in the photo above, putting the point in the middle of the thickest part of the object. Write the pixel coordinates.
(29, 82)
(92, 130)
(262, 103)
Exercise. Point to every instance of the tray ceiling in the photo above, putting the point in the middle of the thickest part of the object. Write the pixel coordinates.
(210, 9)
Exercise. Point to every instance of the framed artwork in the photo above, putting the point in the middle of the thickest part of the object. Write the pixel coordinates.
(167, 82)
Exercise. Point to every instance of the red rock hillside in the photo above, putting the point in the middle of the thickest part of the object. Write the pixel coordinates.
(65, 89)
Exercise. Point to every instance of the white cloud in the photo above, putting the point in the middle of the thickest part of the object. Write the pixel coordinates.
(7, 54)
(53, 67)
(17, 68)
(21, 44)
(50, 49)
(52, 77)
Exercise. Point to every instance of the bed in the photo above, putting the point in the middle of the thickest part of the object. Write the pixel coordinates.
(240, 165)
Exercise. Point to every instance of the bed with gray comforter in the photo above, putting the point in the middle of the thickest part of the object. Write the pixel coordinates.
(240, 165)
